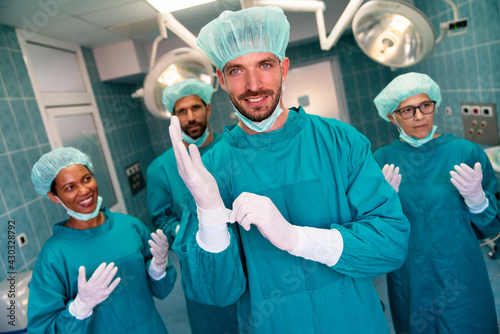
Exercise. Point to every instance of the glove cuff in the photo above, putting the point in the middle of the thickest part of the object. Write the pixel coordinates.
(479, 207)
(213, 238)
(475, 200)
(157, 272)
(213, 217)
(79, 310)
(320, 245)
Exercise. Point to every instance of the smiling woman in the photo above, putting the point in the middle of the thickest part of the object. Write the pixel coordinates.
(114, 248)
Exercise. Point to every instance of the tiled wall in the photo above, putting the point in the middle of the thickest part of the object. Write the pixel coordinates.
(466, 67)
(125, 123)
(23, 140)
(363, 79)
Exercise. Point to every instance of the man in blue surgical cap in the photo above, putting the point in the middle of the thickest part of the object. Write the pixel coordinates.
(312, 218)
(444, 184)
(189, 100)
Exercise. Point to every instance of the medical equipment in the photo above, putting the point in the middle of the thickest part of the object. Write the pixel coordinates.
(397, 34)
(191, 62)
(14, 293)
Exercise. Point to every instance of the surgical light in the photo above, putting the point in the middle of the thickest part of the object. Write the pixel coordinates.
(175, 66)
(397, 34)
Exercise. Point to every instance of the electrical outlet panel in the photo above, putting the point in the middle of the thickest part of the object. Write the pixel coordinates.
(135, 177)
(22, 240)
(480, 122)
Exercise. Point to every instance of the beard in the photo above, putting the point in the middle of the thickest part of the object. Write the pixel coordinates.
(196, 133)
(256, 114)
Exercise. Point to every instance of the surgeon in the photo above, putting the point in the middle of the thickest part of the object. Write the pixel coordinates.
(312, 219)
(189, 100)
(447, 188)
(99, 271)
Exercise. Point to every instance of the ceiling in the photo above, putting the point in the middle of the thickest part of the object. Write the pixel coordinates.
(98, 23)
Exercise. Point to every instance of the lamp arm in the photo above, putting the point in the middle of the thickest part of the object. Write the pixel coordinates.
(454, 8)
(154, 49)
(167, 20)
(340, 26)
(443, 29)
(318, 7)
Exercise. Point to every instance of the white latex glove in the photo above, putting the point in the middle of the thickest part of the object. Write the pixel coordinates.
(94, 291)
(260, 211)
(199, 181)
(213, 235)
(392, 176)
(468, 183)
(159, 249)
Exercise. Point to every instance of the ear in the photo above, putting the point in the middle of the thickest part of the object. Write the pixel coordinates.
(391, 118)
(220, 76)
(285, 65)
(53, 197)
(209, 110)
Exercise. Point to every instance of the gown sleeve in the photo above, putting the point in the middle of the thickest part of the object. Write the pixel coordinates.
(376, 239)
(209, 278)
(48, 310)
(160, 203)
(162, 287)
(488, 221)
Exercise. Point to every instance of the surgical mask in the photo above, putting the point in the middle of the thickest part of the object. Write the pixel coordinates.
(414, 141)
(83, 216)
(261, 126)
(198, 142)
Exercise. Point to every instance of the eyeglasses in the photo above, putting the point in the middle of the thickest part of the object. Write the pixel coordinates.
(426, 107)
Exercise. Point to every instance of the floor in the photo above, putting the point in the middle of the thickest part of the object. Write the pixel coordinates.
(173, 308)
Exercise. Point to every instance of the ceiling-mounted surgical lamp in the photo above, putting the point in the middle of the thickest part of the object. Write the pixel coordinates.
(317, 7)
(177, 65)
(398, 35)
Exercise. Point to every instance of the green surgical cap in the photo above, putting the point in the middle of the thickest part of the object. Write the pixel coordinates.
(402, 87)
(45, 170)
(172, 94)
(251, 30)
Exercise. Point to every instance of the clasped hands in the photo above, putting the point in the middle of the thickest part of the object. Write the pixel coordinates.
(248, 208)
(466, 180)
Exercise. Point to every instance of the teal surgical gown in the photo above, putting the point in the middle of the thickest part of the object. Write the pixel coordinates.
(166, 202)
(130, 308)
(320, 173)
(443, 287)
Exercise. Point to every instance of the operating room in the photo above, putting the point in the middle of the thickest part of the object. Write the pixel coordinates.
(104, 113)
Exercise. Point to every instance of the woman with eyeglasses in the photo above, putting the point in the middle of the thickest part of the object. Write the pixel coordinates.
(448, 191)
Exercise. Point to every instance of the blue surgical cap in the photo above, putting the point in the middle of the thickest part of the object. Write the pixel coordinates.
(251, 30)
(172, 94)
(45, 170)
(402, 87)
